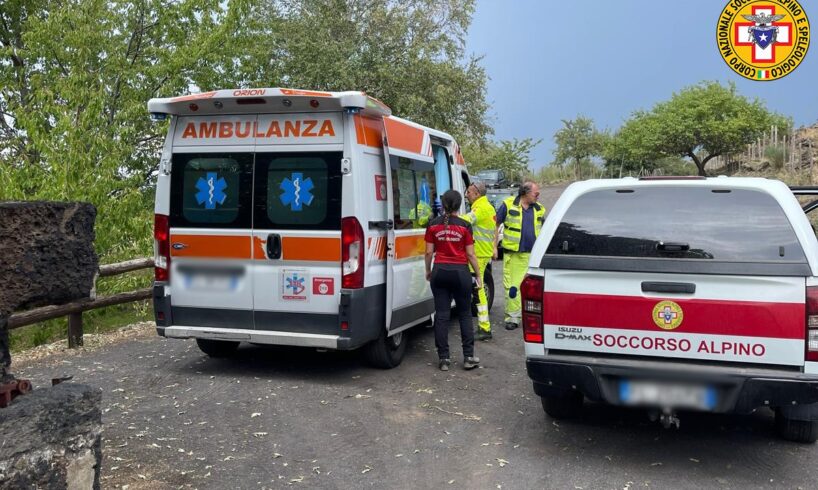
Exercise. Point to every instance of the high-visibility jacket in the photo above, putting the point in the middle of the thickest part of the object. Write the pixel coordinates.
(421, 214)
(483, 221)
(513, 224)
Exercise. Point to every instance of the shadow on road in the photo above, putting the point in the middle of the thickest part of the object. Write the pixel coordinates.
(287, 363)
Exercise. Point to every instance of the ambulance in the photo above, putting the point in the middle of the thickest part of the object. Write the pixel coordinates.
(295, 217)
(676, 294)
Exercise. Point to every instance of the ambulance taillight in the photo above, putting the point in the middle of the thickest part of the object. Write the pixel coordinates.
(812, 324)
(531, 291)
(352, 254)
(161, 247)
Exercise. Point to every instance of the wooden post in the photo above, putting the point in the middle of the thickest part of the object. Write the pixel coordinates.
(75, 330)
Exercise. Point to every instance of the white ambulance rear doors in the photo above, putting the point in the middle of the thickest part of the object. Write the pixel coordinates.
(255, 220)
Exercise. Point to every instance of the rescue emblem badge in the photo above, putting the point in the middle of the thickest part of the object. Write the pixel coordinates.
(211, 190)
(763, 39)
(296, 191)
(667, 315)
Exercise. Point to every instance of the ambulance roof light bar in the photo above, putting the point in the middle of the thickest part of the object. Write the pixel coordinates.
(265, 100)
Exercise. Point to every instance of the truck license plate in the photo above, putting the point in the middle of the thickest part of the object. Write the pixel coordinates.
(667, 395)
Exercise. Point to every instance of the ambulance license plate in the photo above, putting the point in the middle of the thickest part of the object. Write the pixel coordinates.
(211, 282)
(667, 395)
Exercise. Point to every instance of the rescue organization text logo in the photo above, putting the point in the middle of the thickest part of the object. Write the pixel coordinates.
(763, 39)
(667, 315)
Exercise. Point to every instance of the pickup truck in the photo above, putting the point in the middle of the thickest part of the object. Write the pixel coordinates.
(675, 294)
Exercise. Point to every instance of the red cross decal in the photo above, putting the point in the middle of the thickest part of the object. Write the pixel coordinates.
(667, 315)
(742, 37)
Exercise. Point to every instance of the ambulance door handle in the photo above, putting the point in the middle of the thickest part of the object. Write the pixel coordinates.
(274, 246)
(382, 225)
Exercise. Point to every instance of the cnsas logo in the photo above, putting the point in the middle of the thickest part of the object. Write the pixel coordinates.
(763, 39)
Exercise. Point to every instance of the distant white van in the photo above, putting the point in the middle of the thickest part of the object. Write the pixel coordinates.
(295, 217)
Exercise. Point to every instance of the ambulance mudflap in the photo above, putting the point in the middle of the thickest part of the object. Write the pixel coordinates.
(755, 320)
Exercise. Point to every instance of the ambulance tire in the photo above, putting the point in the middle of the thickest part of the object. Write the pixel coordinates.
(217, 348)
(796, 430)
(566, 406)
(488, 285)
(386, 352)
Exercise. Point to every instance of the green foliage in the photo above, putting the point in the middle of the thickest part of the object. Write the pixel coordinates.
(776, 154)
(510, 156)
(408, 54)
(74, 80)
(577, 141)
(699, 122)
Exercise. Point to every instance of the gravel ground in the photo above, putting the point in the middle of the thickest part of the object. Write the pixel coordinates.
(283, 417)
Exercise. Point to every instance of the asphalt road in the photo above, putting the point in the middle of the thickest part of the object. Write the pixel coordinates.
(275, 417)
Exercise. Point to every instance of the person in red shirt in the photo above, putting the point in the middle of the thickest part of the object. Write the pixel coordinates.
(449, 240)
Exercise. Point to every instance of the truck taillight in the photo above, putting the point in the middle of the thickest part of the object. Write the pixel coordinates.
(161, 247)
(531, 291)
(352, 254)
(812, 324)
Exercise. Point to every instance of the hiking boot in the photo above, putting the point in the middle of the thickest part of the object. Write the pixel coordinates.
(444, 364)
(483, 335)
(511, 326)
(470, 363)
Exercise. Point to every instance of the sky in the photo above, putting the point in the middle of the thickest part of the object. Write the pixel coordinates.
(548, 61)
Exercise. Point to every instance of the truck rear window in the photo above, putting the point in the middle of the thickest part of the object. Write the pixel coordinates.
(733, 225)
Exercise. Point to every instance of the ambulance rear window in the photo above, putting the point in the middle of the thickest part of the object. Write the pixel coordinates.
(735, 225)
(298, 191)
(211, 190)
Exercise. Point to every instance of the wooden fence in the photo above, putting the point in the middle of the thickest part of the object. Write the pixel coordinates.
(74, 309)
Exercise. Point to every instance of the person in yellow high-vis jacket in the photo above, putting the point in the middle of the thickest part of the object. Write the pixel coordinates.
(483, 222)
(522, 217)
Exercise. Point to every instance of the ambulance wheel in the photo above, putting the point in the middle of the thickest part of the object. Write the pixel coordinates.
(563, 406)
(386, 352)
(796, 430)
(217, 348)
(488, 286)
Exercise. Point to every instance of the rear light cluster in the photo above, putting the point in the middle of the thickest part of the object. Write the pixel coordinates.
(161, 247)
(812, 324)
(531, 291)
(352, 254)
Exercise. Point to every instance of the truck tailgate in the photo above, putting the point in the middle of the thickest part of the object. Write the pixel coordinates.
(744, 319)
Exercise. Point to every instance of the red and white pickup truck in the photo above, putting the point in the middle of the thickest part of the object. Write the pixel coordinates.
(676, 294)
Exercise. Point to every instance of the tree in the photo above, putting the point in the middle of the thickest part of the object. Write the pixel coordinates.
(577, 141)
(510, 156)
(75, 77)
(409, 54)
(699, 122)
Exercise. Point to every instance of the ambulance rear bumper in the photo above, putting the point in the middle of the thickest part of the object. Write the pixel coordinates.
(352, 327)
(740, 389)
(254, 336)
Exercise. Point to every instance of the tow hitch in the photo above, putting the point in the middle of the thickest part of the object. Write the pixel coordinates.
(667, 417)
